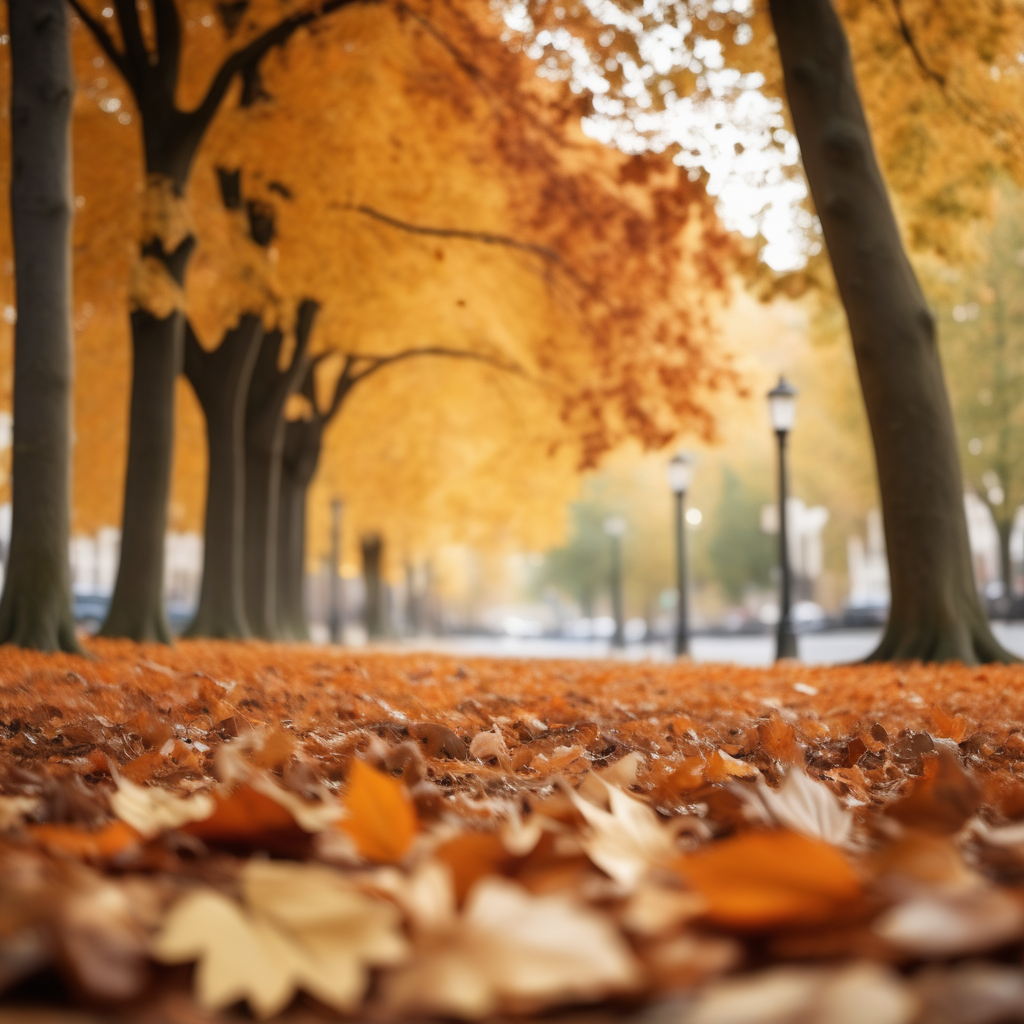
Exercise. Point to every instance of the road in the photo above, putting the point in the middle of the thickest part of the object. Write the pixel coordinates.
(827, 648)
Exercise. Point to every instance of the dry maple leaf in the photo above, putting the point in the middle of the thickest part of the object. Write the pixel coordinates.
(626, 840)
(805, 806)
(301, 926)
(764, 879)
(151, 810)
(381, 819)
(506, 948)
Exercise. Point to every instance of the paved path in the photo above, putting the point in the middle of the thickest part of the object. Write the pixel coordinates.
(829, 648)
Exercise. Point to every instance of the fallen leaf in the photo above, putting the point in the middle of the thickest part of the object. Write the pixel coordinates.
(14, 810)
(942, 800)
(490, 745)
(808, 995)
(508, 948)
(100, 844)
(299, 926)
(763, 879)
(942, 924)
(971, 993)
(721, 767)
(805, 806)
(381, 819)
(151, 810)
(626, 840)
(245, 820)
(656, 909)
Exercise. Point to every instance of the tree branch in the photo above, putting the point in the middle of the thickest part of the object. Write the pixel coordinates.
(168, 43)
(486, 237)
(131, 35)
(106, 43)
(254, 51)
(379, 362)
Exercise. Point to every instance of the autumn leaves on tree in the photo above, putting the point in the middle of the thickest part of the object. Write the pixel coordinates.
(292, 244)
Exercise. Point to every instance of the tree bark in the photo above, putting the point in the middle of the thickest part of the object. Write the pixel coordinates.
(269, 392)
(301, 453)
(373, 600)
(35, 610)
(936, 614)
(221, 382)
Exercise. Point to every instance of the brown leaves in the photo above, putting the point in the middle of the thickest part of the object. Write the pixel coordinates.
(595, 851)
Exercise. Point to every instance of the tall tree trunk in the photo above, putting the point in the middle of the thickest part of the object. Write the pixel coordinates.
(269, 392)
(35, 610)
(221, 382)
(936, 614)
(300, 455)
(373, 601)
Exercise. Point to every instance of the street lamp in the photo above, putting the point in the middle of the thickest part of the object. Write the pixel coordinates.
(615, 527)
(337, 624)
(782, 407)
(680, 472)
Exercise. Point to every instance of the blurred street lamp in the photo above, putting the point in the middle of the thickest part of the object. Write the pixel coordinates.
(337, 614)
(782, 407)
(680, 472)
(615, 527)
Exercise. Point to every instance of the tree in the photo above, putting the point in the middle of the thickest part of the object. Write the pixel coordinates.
(269, 391)
(150, 64)
(221, 380)
(935, 613)
(520, 233)
(374, 594)
(35, 610)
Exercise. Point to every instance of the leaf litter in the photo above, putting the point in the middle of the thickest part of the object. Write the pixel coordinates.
(216, 830)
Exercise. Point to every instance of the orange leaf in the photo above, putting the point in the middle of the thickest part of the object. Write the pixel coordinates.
(762, 879)
(721, 767)
(381, 818)
(471, 855)
(102, 844)
(247, 820)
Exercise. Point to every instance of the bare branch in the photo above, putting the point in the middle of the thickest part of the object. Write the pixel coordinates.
(106, 43)
(348, 380)
(486, 237)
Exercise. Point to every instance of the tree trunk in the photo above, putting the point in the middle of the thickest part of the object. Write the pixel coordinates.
(221, 382)
(1005, 528)
(269, 392)
(35, 610)
(291, 561)
(936, 614)
(300, 455)
(373, 603)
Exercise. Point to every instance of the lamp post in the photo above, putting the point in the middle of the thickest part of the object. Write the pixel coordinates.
(680, 472)
(782, 408)
(337, 624)
(615, 527)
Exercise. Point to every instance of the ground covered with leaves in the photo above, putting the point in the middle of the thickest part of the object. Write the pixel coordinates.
(219, 831)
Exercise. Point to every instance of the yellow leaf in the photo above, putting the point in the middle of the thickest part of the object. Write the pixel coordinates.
(301, 926)
(381, 819)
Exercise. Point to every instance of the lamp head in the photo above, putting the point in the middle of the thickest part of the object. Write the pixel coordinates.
(680, 472)
(782, 405)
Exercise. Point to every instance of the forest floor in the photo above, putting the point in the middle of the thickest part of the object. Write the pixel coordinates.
(214, 830)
